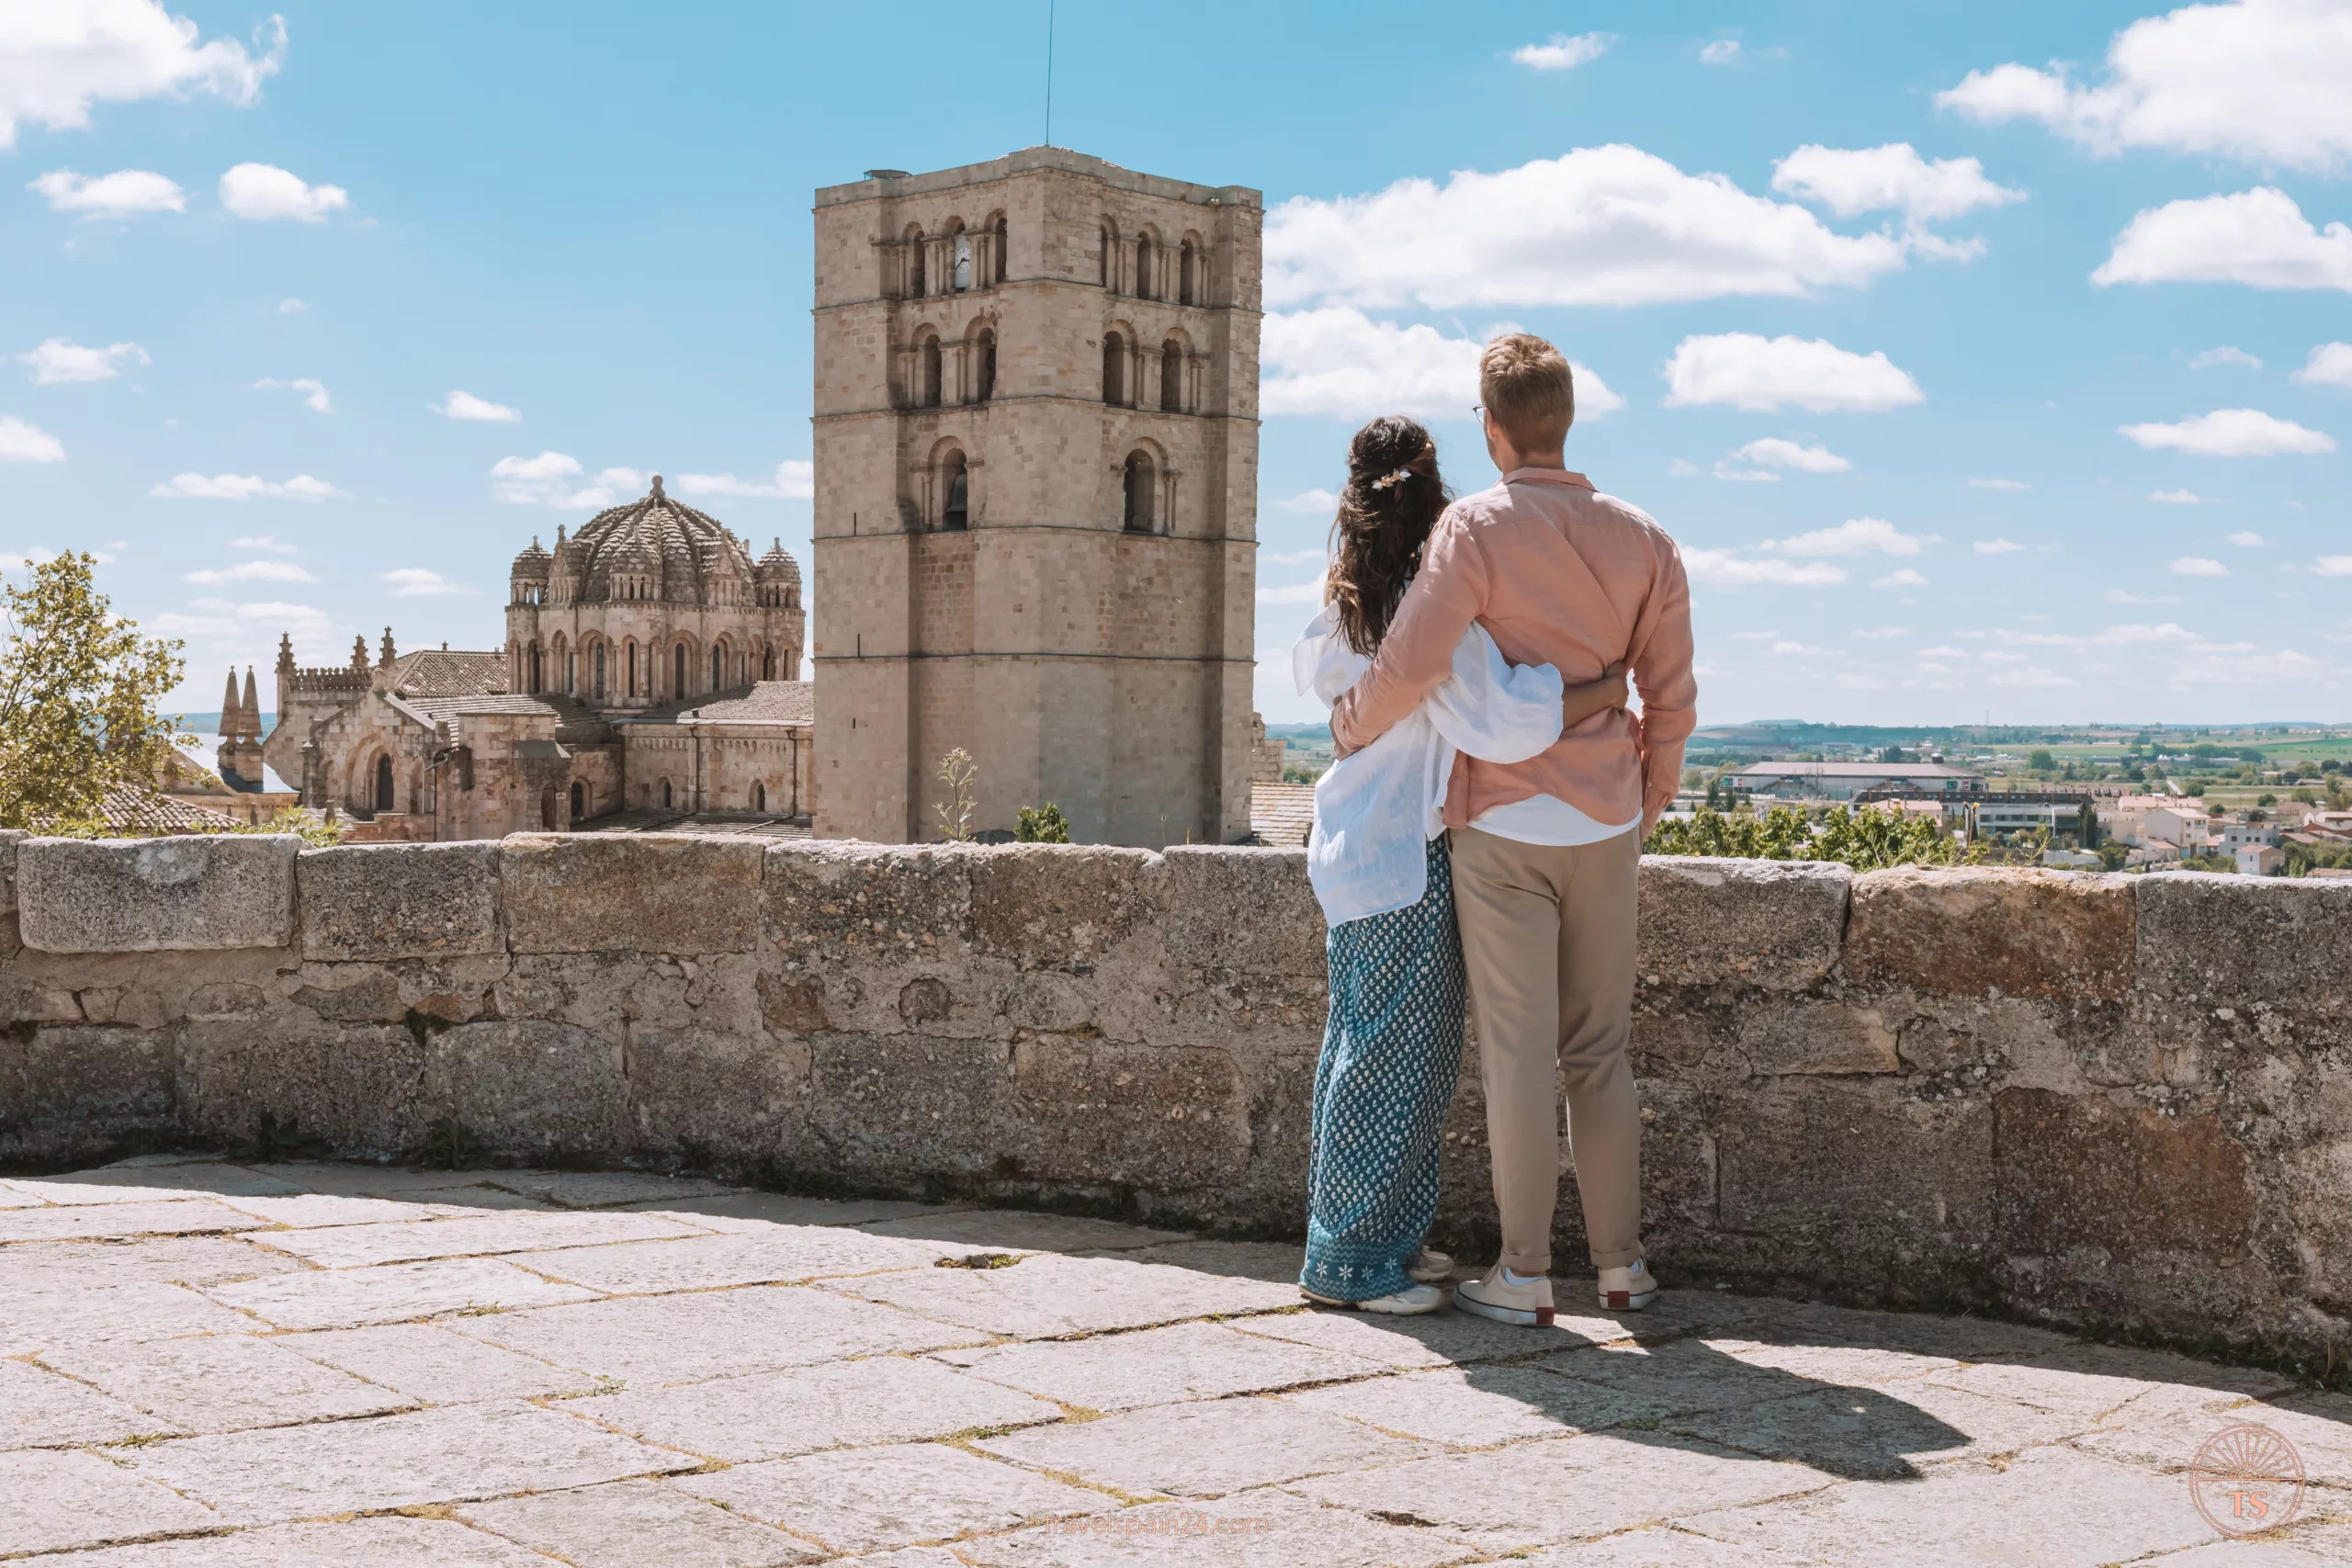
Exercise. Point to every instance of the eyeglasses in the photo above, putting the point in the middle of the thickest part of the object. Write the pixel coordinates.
(1478, 413)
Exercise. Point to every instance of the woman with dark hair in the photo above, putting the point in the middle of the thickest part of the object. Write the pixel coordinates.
(1392, 1047)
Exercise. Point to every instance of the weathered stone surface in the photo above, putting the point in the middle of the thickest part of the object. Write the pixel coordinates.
(1251, 1529)
(1859, 1162)
(53, 1501)
(156, 894)
(40, 1409)
(348, 1298)
(92, 1221)
(383, 901)
(222, 1383)
(1207, 1450)
(1241, 913)
(187, 1259)
(1157, 1366)
(1047, 1297)
(1023, 1230)
(381, 1542)
(356, 1246)
(2115, 1385)
(1820, 1037)
(863, 1500)
(625, 1524)
(842, 1405)
(769, 1254)
(358, 1088)
(532, 1088)
(1047, 908)
(1479, 1406)
(433, 1363)
(212, 1179)
(9, 839)
(308, 1210)
(745, 1096)
(37, 1321)
(1888, 1434)
(608, 1189)
(2081, 1170)
(2246, 940)
(1777, 924)
(77, 1087)
(630, 892)
(826, 904)
(1097, 1111)
(446, 1455)
(2058, 934)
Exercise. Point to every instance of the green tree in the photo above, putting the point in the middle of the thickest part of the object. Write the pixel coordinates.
(1867, 839)
(78, 695)
(2041, 761)
(1042, 825)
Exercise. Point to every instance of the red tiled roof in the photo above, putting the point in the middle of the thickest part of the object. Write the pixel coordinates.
(1282, 814)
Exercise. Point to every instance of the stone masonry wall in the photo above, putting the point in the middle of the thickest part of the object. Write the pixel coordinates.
(2101, 1099)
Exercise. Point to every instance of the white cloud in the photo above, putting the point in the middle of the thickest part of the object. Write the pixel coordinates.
(291, 305)
(1876, 633)
(1754, 637)
(1295, 594)
(2033, 676)
(22, 443)
(1856, 536)
(1997, 547)
(1943, 653)
(2119, 596)
(1793, 647)
(2333, 566)
(1564, 52)
(117, 194)
(1309, 501)
(1901, 577)
(415, 581)
(795, 480)
(58, 57)
(2198, 565)
(251, 571)
(2258, 237)
(245, 486)
(2231, 432)
(1600, 225)
(1760, 374)
(1849, 181)
(2225, 354)
(1775, 453)
(2329, 365)
(1725, 470)
(2261, 81)
(2247, 541)
(1339, 362)
(2176, 497)
(547, 480)
(261, 542)
(1721, 568)
(2133, 635)
(55, 360)
(1998, 484)
(462, 405)
(314, 393)
(1722, 52)
(261, 191)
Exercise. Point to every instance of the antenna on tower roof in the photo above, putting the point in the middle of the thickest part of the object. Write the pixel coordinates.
(1049, 73)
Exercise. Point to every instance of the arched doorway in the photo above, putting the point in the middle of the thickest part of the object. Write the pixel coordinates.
(1134, 503)
(759, 796)
(384, 784)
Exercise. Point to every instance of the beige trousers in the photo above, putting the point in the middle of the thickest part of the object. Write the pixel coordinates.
(1547, 935)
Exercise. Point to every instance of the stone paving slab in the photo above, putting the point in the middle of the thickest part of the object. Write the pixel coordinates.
(479, 1235)
(1049, 1296)
(2114, 1384)
(158, 1184)
(887, 1399)
(1016, 1230)
(348, 1298)
(1880, 1434)
(1438, 1339)
(1205, 1450)
(1253, 1530)
(182, 1215)
(177, 1259)
(50, 1501)
(383, 1543)
(779, 1209)
(603, 1189)
(42, 1409)
(770, 1255)
(447, 1455)
(1275, 1262)
(430, 1361)
(41, 1321)
(2319, 1424)
(308, 1210)
(1657, 1546)
(864, 1500)
(630, 1524)
(663, 1339)
(1157, 1366)
(1682, 1377)
(1478, 1406)
(224, 1382)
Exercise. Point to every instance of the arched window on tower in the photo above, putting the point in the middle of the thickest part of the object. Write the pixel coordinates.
(678, 671)
(1004, 240)
(955, 516)
(667, 800)
(1114, 367)
(759, 795)
(1171, 376)
(600, 672)
(1143, 267)
(916, 245)
(1102, 259)
(984, 373)
(768, 665)
(632, 669)
(931, 372)
(536, 664)
(1135, 508)
(961, 251)
(579, 800)
(1187, 280)
(384, 789)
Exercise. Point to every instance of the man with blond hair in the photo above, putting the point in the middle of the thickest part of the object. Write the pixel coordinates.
(1546, 853)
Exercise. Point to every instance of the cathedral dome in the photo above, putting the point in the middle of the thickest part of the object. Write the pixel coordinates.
(689, 553)
(531, 565)
(778, 566)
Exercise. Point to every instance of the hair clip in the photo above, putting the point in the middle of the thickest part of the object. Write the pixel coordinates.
(1397, 477)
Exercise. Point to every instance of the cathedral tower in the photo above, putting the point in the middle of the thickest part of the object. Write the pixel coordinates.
(1036, 451)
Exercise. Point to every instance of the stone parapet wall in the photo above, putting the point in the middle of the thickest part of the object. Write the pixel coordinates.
(2105, 1099)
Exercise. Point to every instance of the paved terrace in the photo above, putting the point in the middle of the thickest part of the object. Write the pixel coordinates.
(337, 1365)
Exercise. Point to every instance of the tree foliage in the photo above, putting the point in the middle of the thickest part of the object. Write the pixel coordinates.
(1041, 825)
(78, 695)
(1867, 839)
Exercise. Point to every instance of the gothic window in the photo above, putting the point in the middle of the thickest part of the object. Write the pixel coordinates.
(384, 784)
(1187, 285)
(678, 671)
(600, 672)
(931, 372)
(1003, 241)
(572, 673)
(1134, 507)
(1102, 259)
(579, 801)
(955, 516)
(1143, 267)
(915, 248)
(963, 255)
(1114, 365)
(632, 670)
(718, 668)
(984, 380)
(536, 666)
(759, 796)
(768, 665)
(1171, 376)
(666, 801)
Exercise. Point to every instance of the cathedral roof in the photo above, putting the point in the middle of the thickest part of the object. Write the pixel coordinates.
(763, 702)
(692, 550)
(777, 563)
(532, 564)
(444, 673)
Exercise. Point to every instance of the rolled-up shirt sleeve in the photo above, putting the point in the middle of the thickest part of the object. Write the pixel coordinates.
(1448, 593)
(1661, 670)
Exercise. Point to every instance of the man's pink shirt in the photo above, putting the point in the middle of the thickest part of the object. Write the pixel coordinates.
(1558, 574)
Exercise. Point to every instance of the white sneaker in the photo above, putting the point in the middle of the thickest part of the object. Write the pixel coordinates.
(1410, 1301)
(1629, 1289)
(1506, 1301)
(1431, 1267)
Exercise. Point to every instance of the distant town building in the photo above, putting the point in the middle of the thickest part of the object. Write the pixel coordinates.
(2184, 827)
(1845, 781)
(2261, 859)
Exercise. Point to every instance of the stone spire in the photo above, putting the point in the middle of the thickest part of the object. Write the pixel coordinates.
(230, 716)
(386, 662)
(656, 495)
(285, 653)
(359, 653)
(252, 707)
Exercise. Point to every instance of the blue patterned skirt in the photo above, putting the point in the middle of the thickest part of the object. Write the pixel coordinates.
(1391, 1054)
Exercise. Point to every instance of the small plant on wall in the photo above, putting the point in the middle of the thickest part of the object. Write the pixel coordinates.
(1042, 825)
(961, 775)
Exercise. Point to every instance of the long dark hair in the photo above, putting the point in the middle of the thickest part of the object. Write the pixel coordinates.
(1393, 497)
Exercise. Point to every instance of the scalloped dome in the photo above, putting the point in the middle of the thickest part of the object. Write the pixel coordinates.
(778, 566)
(689, 552)
(532, 564)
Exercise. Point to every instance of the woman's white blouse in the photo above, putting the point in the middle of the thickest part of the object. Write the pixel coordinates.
(1376, 810)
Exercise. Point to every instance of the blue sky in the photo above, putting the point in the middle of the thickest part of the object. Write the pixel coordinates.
(1907, 414)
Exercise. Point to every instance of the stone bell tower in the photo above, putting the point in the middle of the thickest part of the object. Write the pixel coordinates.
(1037, 453)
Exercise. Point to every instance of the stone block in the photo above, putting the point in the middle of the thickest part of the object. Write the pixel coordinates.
(865, 1500)
(430, 1362)
(2081, 1170)
(108, 1222)
(767, 1254)
(2056, 934)
(1162, 1117)
(1241, 911)
(2241, 940)
(199, 893)
(826, 905)
(352, 1298)
(1207, 1451)
(374, 902)
(733, 1098)
(672, 892)
(1056, 906)
(1160, 1366)
(1856, 1165)
(471, 1235)
(1819, 1037)
(1047, 1297)
(902, 1108)
(53, 1501)
(34, 1320)
(1705, 920)
(384, 1541)
(355, 1086)
(68, 1089)
(532, 1089)
(628, 1523)
(1478, 1406)
(224, 1382)
(40, 1409)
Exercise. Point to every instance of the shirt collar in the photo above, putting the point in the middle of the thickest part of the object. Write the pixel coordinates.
(1547, 476)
